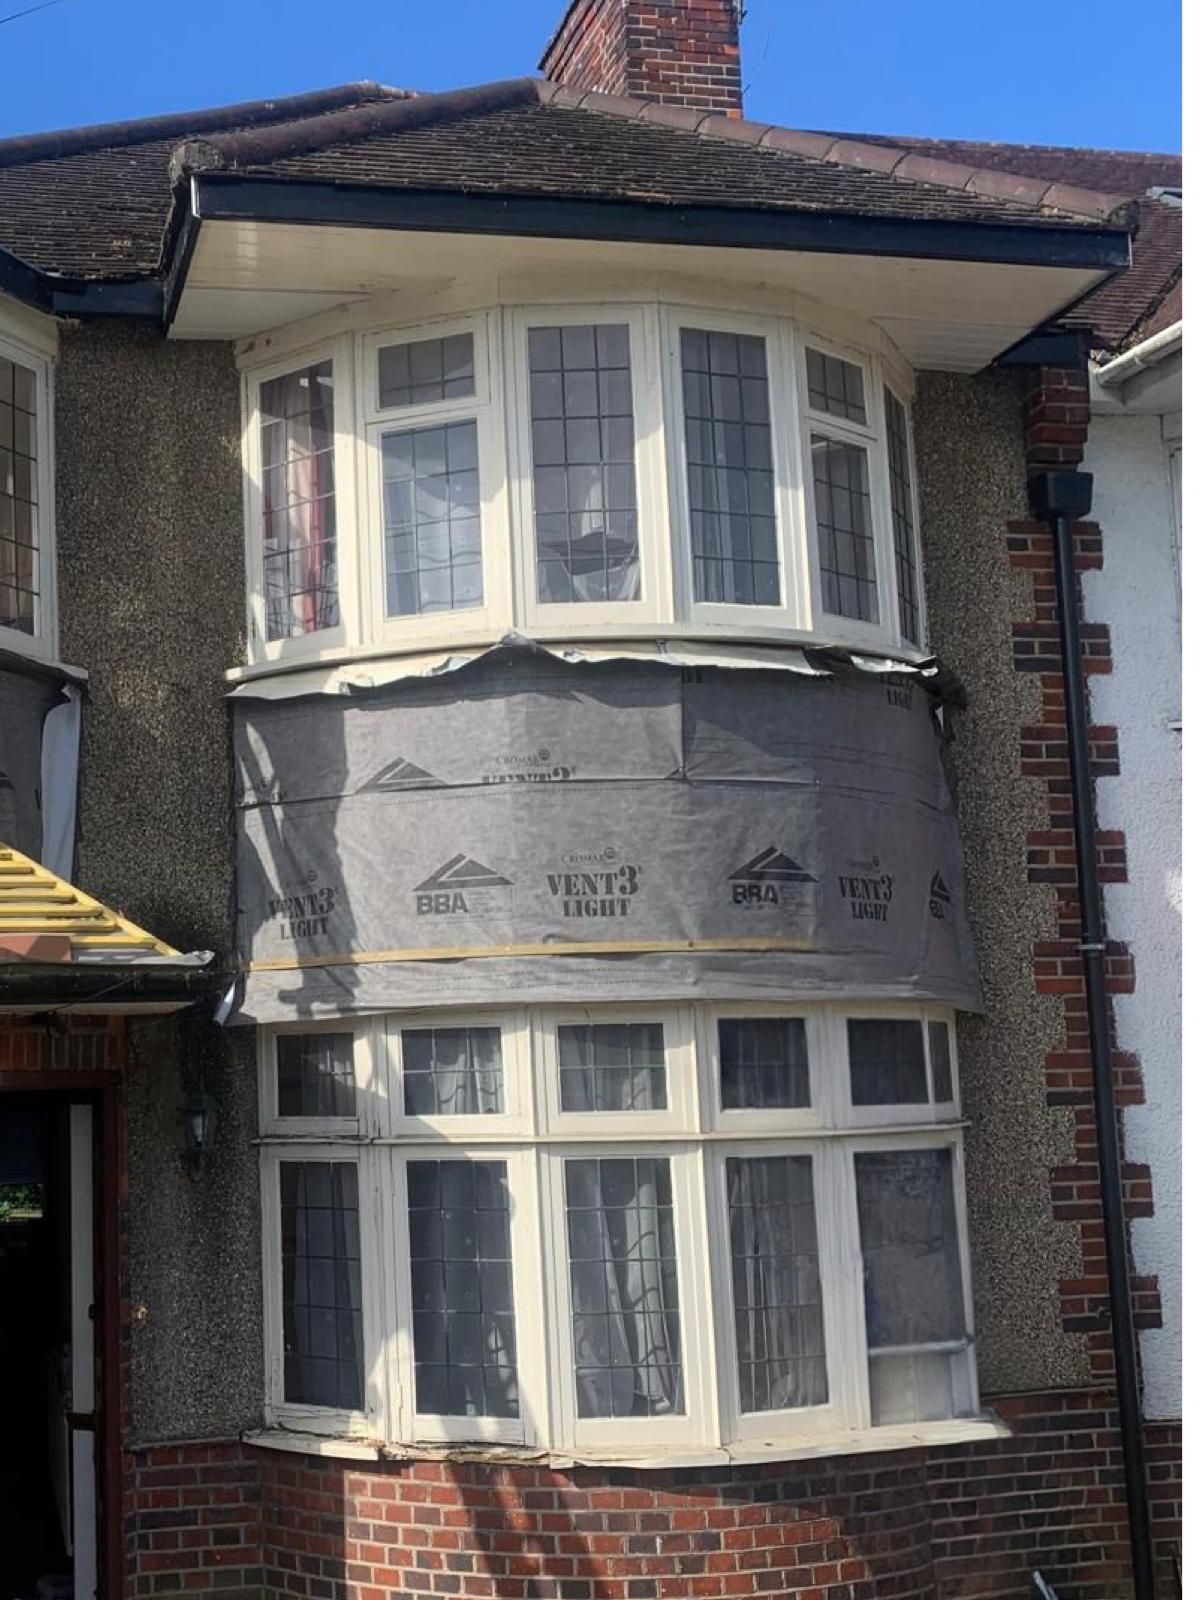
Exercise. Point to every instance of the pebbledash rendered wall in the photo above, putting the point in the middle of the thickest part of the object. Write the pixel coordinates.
(150, 529)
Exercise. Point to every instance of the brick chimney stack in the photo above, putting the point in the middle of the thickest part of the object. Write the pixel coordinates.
(678, 52)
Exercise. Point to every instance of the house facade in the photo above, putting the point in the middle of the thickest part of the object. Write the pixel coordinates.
(538, 580)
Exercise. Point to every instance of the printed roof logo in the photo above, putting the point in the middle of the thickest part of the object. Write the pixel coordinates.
(460, 872)
(772, 866)
(401, 774)
(939, 889)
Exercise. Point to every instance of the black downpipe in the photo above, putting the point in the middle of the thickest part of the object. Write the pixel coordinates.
(1059, 498)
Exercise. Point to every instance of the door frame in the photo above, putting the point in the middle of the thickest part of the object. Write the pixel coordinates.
(102, 1091)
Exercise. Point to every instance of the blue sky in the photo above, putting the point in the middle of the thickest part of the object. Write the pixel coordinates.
(1025, 71)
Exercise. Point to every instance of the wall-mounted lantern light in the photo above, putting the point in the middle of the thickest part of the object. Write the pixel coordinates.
(199, 1133)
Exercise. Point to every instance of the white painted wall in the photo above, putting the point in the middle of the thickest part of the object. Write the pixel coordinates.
(1137, 594)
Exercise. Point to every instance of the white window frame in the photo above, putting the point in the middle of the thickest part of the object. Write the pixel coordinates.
(872, 439)
(517, 1116)
(324, 643)
(485, 409)
(363, 1123)
(903, 395)
(965, 1375)
(697, 1420)
(581, 617)
(927, 1112)
(535, 1140)
(530, 1319)
(681, 1115)
(42, 643)
(501, 411)
(794, 613)
(292, 1414)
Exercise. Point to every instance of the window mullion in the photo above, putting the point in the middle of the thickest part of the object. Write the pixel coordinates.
(849, 1379)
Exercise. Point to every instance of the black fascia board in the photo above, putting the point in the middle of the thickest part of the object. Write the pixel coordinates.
(24, 283)
(223, 197)
(133, 297)
(1048, 347)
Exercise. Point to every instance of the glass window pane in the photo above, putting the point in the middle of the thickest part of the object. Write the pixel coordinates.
(912, 1283)
(939, 1060)
(887, 1063)
(909, 1236)
(764, 1062)
(452, 1072)
(836, 387)
(778, 1314)
(844, 530)
(299, 513)
(731, 476)
(427, 370)
(315, 1074)
(322, 1284)
(904, 522)
(612, 1066)
(584, 483)
(464, 1327)
(431, 521)
(19, 567)
(624, 1288)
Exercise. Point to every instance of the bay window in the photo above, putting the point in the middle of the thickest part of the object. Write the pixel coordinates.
(585, 470)
(27, 621)
(649, 1234)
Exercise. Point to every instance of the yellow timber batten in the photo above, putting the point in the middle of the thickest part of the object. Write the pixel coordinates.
(34, 901)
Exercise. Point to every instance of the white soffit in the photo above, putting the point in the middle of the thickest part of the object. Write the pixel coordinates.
(245, 277)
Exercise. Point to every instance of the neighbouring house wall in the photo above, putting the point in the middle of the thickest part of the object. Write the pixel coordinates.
(1138, 592)
(152, 605)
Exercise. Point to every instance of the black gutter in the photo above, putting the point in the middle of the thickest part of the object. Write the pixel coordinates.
(1059, 498)
(135, 297)
(221, 197)
(52, 984)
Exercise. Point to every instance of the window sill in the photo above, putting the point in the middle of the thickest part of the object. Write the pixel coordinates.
(365, 666)
(900, 1436)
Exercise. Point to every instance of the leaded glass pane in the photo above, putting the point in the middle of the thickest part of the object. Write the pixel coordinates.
(452, 1072)
(836, 387)
(764, 1063)
(464, 1327)
(19, 566)
(315, 1074)
(778, 1316)
(322, 1284)
(846, 541)
(584, 478)
(624, 1288)
(431, 528)
(939, 1061)
(299, 512)
(887, 1062)
(424, 371)
(612, 1066)
(904, 528)
(731, 474)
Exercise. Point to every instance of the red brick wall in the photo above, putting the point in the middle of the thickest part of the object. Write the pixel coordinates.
(930, 1524)
(678, 52)
(67, 1044)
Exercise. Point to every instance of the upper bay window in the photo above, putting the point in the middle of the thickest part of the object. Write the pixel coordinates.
(657, 1230)
(27, 619)
(573, 471)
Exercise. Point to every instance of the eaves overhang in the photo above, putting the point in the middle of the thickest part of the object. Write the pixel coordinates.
(25, 283)
(226, 197)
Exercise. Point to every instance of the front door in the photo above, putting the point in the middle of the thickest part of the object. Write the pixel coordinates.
(81, 1409)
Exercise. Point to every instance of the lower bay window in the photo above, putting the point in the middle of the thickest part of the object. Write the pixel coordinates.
(637, 1234)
